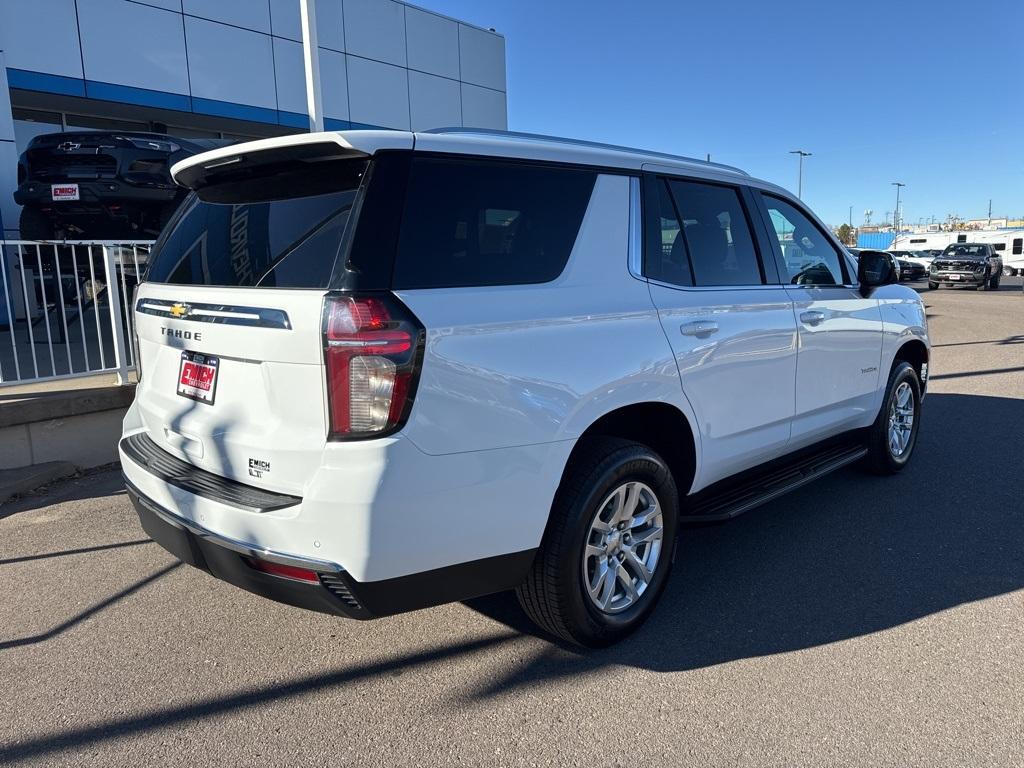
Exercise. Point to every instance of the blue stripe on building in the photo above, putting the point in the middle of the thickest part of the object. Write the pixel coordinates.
(125, 94)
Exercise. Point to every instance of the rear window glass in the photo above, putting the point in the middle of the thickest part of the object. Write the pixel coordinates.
(289, 241)
(471, 223)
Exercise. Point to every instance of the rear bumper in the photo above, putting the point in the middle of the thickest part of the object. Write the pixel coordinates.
(94, 194)
(337, 592)
(227, 559)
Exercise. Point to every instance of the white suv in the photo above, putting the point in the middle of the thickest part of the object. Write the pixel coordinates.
(383, 370)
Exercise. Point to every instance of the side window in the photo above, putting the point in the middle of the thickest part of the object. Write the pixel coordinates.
(1018, 246)
(476, 222)
(809, 256)
(1000, 246)
(716, 235)
(667, 259)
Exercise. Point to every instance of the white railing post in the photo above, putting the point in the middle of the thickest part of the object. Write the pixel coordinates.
(114, 302)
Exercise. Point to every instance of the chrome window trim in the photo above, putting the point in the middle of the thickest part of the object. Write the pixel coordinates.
(241, 547)
(222, 314)
(700, 288)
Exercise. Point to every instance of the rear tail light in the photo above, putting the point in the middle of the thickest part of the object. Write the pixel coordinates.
(373, 347)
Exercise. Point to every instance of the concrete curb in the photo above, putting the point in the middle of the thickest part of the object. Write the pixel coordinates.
(78, 426)
(25, 479)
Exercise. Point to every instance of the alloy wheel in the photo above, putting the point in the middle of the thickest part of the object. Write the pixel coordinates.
(623, 547)
(901, 420)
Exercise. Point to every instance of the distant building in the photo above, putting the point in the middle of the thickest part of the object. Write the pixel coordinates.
(210, 68)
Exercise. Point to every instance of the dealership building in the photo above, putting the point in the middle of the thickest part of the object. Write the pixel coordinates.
(234, 69)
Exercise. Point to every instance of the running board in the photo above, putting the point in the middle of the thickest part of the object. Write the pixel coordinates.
(736, 497)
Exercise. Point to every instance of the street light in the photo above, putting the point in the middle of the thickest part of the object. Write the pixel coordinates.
(800, 176)
(896, 213)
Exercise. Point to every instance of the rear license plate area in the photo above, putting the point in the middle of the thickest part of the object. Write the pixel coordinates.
(197, 377)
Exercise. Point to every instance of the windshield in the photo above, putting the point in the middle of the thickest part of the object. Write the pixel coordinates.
(967, 250)
(239, 237)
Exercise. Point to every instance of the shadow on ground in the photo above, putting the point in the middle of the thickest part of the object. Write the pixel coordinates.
(92, 484)
(846, 557)
(850, 555)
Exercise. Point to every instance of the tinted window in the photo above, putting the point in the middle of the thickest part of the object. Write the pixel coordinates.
(471, 222)
(236, 236)
(1000, 246)
(1018, 246)
(972, 250)
(809, 256)
(667, 260)
(716, 235)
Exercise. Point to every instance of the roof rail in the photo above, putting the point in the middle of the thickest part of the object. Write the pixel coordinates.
(581, 143)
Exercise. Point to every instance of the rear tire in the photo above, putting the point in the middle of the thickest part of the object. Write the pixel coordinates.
(891, 439)
(613, 520)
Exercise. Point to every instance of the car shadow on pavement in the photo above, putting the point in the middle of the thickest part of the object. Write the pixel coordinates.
(845, 557)
(92, 610)
(92, 484)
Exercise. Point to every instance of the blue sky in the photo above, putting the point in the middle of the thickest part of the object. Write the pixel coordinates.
(927, 93)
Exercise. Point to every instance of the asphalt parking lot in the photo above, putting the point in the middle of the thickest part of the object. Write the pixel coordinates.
(858, 621)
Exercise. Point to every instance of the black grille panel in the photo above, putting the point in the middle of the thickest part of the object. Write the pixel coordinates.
(334, 583)
(959, 266)
(141, 449)
(45, 164)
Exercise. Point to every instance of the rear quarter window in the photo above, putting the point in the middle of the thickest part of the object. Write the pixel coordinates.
(279, 230)
(478, 222)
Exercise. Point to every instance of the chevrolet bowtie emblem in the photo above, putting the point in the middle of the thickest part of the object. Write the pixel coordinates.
(180, 310)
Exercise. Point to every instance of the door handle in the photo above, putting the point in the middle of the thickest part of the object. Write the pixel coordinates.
(699, 328)
(813, 317)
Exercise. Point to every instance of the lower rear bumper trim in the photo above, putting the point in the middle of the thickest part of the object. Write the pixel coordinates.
(241, 547)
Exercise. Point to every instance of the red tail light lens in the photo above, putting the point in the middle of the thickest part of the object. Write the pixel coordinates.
(372, 353)
(285, 571)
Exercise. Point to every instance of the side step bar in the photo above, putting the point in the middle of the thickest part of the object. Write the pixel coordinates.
(730, 498)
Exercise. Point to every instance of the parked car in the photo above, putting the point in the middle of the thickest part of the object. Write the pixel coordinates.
(100, 184)
(383, 370)
(924, 258)
(910, 267)
(977, 265)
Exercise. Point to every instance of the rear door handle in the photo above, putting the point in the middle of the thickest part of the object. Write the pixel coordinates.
(699, 328)
(813, 317)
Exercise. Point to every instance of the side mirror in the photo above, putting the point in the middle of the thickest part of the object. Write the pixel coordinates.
(875, 268)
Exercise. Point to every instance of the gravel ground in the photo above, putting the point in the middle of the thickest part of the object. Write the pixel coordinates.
(857, 621)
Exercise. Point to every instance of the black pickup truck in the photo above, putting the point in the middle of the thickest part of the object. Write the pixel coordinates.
(101, 184)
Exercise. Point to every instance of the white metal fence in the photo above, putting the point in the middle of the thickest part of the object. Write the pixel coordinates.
(65, 307)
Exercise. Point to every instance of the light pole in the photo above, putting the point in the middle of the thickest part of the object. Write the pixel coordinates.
(896, 213)
(800, 175)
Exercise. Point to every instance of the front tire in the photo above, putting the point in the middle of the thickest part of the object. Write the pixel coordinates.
(891, 439)
(35, 225)
(993, 284)
(933, 286)
(607, 550)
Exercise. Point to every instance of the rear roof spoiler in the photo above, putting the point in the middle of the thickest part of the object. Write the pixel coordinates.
(200, 170)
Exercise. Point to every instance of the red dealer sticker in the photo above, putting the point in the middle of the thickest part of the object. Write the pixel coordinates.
(197, 377)
(64, 191)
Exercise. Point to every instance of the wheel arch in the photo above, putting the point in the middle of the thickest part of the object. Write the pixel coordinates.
(915, 352)
(661, 426)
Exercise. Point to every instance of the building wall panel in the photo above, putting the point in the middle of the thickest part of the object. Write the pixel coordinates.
(154, 61)
(434, 102)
